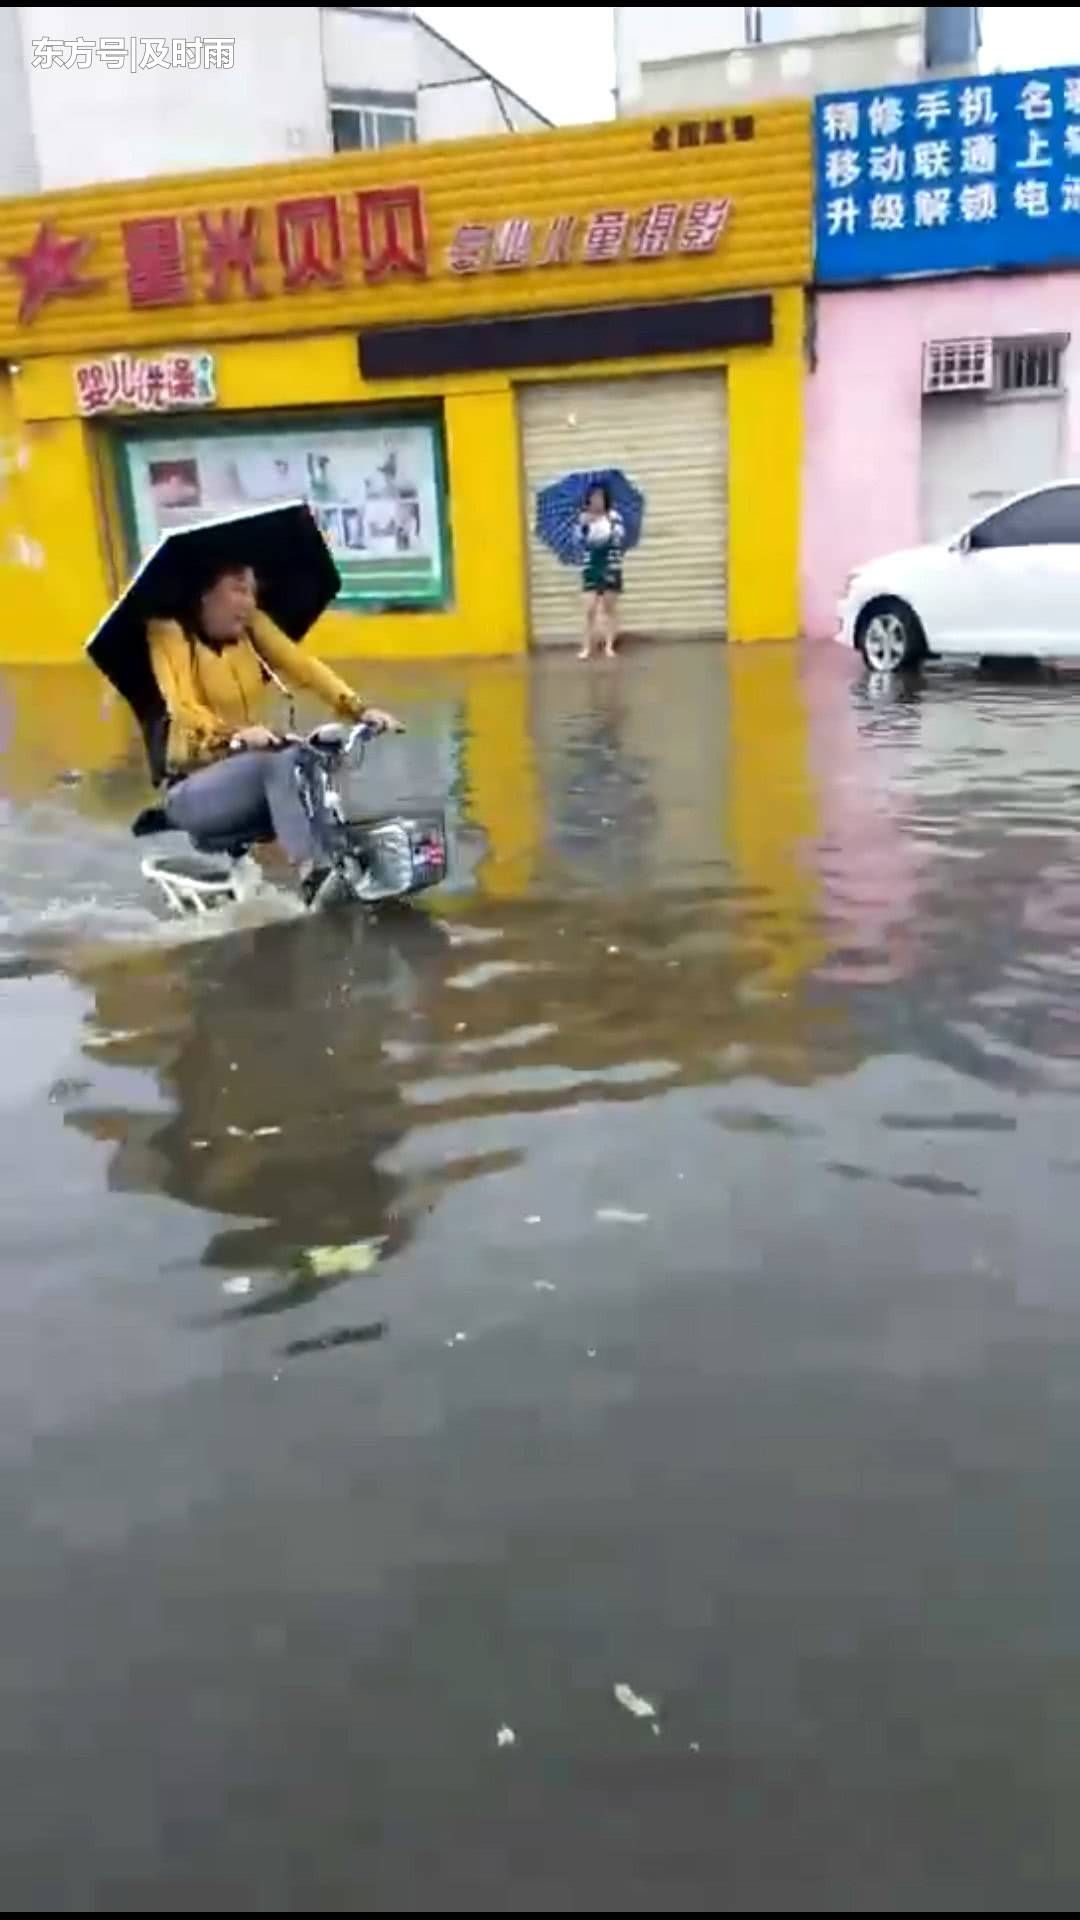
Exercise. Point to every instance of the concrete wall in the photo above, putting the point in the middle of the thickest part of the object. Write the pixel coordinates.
(396, 54)
(70, 126)
(863, 410)
(454, 112)
(682, 56)
(839, 64)
(102, 124)
(368, 53)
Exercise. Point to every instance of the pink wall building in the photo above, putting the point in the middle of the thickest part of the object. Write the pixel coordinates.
(880, 458)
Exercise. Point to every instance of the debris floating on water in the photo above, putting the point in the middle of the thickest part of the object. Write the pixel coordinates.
(544, 1286)
(634, 1703)
(252, 1133)
(621, 1217)
(358, 1256)
(695, 1746)
(337, 1337)
(532, 1219)
(456, 1339)
(590, 1353)
(241, 1283)
(505, 1736)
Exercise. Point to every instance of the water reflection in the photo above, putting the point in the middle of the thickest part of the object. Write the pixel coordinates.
(280, 1057)
(720, 1336)
(696, 867)
(651, 880)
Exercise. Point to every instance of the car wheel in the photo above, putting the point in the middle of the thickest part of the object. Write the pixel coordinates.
(889, 637)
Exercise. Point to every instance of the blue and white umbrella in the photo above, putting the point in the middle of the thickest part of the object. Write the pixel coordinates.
(559, 507)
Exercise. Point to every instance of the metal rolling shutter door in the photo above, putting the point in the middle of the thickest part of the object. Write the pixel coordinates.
(668, 431)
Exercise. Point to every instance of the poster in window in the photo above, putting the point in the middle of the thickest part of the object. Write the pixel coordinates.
(375, 492)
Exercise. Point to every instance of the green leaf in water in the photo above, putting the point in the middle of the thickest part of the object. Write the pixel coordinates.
(359, 1256)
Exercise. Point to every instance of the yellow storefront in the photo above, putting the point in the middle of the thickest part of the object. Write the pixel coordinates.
(414, 340)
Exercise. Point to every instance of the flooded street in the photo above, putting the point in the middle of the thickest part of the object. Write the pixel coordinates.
(718, 1135)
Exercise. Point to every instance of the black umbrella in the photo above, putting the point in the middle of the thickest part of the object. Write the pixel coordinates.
(296, 577)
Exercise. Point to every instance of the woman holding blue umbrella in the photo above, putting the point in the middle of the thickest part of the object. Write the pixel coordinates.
(603, 538)
(589, 520)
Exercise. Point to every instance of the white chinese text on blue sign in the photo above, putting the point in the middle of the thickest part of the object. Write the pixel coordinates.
(948, 176)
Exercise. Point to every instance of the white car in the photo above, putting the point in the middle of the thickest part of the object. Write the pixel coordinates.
(1009, 584)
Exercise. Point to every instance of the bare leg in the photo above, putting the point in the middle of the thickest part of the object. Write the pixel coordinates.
(610, 605)
(592, 604)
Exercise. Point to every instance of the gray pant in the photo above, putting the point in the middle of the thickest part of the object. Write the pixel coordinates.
(251, 793)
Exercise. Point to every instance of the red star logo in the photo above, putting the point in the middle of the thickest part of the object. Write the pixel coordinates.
(51, 267)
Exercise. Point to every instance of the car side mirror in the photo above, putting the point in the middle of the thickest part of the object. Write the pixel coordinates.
(963, 543)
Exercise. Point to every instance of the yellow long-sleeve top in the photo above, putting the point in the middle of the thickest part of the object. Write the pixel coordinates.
(210, 695)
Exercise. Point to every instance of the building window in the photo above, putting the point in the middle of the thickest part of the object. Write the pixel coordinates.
(371, 120)
(958, 366)
(1028, 366)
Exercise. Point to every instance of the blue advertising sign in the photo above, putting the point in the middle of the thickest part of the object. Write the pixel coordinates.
(948, 176)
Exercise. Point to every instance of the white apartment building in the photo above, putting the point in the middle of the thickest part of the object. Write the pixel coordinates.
(667, 58)
(93, 94)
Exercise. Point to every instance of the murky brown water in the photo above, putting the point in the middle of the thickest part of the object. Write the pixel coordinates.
(719, 1128)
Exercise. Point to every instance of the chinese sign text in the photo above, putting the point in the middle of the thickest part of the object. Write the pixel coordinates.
(948, 176)
(224, 254)
(714, 132)
(668, 226)
(123, 382)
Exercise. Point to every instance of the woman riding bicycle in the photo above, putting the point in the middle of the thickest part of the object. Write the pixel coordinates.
(227, 771)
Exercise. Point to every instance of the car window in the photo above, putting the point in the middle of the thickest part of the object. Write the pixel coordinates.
(1050, 519)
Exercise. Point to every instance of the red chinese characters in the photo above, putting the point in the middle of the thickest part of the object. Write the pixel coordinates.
(703, 223)
(231, 246)
(124, 383)
(182, 384)
(325, 241)
(309, 242)
(654, 231)
(513, 244)
(393, 238)
(605, 235)
(557, 248)
(154, 257)
(93, 387)
(470, 249)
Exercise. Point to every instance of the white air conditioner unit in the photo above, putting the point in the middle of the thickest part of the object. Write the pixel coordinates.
(958, 366)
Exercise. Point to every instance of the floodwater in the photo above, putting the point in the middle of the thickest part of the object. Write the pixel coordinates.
(717, 1133)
